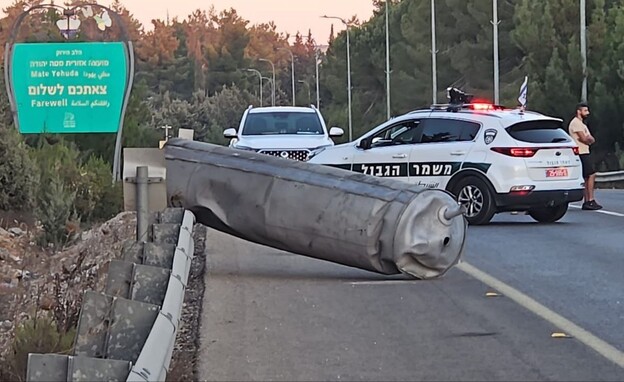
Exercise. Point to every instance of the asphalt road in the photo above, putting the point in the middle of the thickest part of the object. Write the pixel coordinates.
(271, 315)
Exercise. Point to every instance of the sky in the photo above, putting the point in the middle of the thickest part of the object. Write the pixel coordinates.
(289, 16)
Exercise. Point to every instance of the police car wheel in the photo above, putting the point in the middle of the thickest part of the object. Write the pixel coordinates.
(475, 196)
(549, 214)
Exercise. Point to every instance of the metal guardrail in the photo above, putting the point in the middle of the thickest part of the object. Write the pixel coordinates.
(128, 332)
(155, 357)
(611, 176)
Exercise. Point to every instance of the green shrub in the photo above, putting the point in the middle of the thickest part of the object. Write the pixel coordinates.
(18, 173)
(55, 207)
(97, 199)
(38, 335)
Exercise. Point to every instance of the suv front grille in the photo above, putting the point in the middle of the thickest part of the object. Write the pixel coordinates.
(300, 155)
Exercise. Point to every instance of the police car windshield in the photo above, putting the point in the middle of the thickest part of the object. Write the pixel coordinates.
(282, 123)
(544, 131)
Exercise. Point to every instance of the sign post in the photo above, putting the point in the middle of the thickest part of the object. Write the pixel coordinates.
(71, 87)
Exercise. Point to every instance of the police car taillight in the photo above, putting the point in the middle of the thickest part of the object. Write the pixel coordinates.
(519, 152)
(576, 150)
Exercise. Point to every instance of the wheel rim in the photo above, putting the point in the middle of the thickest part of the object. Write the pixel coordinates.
(471, 198)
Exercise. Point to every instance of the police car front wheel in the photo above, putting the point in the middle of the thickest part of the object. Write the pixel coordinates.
(476, 197)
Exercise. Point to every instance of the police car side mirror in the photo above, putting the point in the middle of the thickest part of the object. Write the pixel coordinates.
(230, 133)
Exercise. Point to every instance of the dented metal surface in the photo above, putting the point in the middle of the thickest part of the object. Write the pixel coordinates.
(382, 225)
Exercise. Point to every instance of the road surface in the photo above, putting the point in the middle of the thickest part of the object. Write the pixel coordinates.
(271, 315)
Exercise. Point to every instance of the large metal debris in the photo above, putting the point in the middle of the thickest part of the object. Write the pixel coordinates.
(382, 225)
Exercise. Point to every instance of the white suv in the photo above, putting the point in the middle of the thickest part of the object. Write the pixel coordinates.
(491, 158)
(283, 131)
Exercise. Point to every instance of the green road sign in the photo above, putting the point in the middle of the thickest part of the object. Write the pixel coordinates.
(69, 87)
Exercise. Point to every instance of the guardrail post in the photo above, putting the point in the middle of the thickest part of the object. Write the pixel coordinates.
(142, 203)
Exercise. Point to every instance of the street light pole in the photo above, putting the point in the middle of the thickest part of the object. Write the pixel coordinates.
(387, 64)
(292, 72)
(260, 77)
(433, 55)
(495, 23)
(316, 61)
(584, 52)
(348, 72)
(273, 82)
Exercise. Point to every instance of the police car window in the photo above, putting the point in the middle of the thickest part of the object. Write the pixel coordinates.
(402, 133)
(448, 130)
(539, 132)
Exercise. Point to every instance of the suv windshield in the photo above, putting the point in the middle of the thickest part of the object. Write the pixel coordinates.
(539, 132)
(274, 123)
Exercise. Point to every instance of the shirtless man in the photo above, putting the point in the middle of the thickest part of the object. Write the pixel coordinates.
(583, 138)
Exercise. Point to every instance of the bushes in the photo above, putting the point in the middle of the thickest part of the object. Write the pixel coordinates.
(52, 179)
(18, 173)
(37, 335)
(74, 192)
(97, 199)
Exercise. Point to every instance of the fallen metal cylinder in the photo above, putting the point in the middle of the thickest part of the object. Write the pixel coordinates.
(381, 225)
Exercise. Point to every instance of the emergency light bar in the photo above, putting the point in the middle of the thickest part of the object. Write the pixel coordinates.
(459, 100)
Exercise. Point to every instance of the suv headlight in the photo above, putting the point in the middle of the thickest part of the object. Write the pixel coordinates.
(244, 148)
(316, 151)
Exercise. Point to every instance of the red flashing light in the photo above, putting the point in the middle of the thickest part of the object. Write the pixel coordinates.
(576, 150)
(482, 106)
(518, 152)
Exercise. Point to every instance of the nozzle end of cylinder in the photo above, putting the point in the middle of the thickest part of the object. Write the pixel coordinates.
(449, 213)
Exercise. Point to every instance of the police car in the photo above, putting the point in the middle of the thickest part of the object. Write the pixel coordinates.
(493, 159)
(287, 132)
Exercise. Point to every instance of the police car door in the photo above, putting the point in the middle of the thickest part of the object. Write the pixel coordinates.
(389, 151)
(441, 150)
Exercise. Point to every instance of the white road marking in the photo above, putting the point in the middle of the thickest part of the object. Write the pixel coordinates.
(601, 211)
(565, 325)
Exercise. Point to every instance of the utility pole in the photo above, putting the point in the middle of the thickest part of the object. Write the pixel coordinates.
(273, 82)
(348, 73)
(316, 60)
(260, 77)
(292, 73)
(433, 54)
(495, 23)
(584, 52)
(387, 65)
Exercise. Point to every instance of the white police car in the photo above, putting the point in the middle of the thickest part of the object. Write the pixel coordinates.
(284, 131)
(491, 158)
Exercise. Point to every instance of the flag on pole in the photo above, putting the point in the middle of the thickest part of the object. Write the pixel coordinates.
(523, 92)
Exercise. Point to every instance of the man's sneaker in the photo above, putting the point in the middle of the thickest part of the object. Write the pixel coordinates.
(591, 206)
